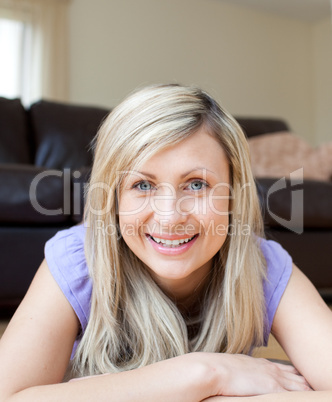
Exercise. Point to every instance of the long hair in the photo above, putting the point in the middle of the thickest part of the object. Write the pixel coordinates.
(132, 322)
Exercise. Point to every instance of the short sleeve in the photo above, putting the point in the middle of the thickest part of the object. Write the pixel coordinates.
(279, 269)
(65, 257)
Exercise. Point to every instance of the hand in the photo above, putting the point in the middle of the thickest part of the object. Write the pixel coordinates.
(241, 375)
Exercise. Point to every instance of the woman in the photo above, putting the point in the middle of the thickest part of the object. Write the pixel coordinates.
(181, 285)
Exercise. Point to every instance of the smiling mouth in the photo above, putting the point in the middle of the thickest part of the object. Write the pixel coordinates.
(172, 243)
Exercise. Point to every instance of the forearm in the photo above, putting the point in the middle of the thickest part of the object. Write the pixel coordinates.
(168, 380)
(319, 396)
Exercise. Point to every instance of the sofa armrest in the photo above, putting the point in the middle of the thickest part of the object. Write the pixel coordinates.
(280, 199)
(31, 194)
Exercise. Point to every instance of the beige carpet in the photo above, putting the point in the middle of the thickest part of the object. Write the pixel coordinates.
(272, 351)
(3, 325)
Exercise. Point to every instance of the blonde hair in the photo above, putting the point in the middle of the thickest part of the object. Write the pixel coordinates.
(132, 322)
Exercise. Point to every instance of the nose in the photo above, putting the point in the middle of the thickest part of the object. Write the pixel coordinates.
(167, 209)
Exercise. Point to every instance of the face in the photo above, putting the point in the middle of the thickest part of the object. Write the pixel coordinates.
(173, 211)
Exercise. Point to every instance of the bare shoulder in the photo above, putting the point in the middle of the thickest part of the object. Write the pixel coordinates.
(303, 327)
(35, 348)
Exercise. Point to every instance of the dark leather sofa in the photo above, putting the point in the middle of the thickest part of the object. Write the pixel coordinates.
(297, 214)
(46, 147)
(45, 158)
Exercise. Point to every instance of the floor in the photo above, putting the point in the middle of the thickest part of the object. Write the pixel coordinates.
(272, 351)
(3, 325)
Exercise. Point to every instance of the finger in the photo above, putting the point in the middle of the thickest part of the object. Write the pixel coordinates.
(287, 367)
(296, 386)
(292, 379)
(296, 376)
(293, 382)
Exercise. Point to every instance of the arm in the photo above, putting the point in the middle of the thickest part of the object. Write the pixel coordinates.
(318, 396)
(35, 352)
(303, 327)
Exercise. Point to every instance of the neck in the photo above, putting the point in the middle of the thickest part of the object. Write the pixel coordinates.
(186, 292)
(187, 297)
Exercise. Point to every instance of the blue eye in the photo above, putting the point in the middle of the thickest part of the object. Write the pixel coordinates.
(143, 185)
(197, 185)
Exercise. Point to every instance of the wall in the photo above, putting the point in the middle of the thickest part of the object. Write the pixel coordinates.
(253, 62)
(322, 34)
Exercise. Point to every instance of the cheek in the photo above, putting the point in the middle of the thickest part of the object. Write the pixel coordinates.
(133, 217)
(132, 206)
(219, 201)
(215, 222)
(217, 209)
(133, 210)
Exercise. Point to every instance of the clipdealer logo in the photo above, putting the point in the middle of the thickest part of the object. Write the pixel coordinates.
(71, 194)
(295, 224)
(71, 203)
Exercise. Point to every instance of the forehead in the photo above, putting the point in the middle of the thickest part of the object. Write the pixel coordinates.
(200, 149)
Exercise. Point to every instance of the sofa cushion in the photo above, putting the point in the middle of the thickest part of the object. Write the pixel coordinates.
(63, 133)
(14, 146)
(34, 195)
(279, 196)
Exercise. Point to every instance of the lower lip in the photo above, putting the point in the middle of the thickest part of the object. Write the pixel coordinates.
(171, 250)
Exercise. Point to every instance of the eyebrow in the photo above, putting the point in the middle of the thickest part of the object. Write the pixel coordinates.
(153, 177)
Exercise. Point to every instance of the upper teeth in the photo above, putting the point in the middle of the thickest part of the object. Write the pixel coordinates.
(171, 242)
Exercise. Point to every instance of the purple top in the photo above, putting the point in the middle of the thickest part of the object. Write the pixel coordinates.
(65, 257)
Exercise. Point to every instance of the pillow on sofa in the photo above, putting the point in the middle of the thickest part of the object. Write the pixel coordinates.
(320, 160)
(63, 133)
(279, 154)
